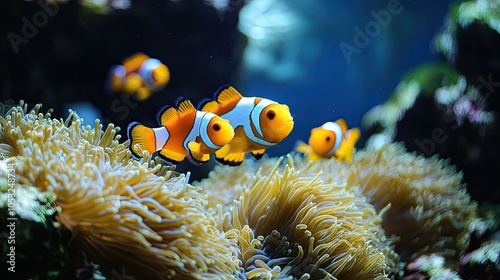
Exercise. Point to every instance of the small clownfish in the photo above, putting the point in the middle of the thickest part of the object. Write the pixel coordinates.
(184, 132)
(258, 123)
(139, 76)
(331, 139)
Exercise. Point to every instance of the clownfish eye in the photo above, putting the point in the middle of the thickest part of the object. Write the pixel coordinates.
(328, 139)
(216, 126)
(271, 114)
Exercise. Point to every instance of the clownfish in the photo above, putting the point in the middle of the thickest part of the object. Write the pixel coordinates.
(184, 132)
(332, 139)
(258, 123)
(139, 76)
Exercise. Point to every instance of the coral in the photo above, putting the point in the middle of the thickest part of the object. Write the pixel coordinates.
(289, 225)
(32, 246)
(482, 259)
(463, 18)
(464, 103)
(450, 108)
(124, 212)
(421, 82)
(489, 252)
(430, 267)
(34, 205)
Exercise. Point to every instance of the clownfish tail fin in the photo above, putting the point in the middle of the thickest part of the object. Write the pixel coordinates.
(142, 138)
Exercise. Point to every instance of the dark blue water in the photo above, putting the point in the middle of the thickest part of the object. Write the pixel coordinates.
(328, 86)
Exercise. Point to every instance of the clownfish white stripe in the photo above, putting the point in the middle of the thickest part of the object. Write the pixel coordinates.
(161, 137)
(205, 121)
(200, 128)
(240, 116)
(257, 110)
(146, 71)
(120, 71)
(194, 130)
(337, 130)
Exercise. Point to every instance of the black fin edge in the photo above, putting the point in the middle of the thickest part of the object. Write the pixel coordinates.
(194, 161)
(168, 160)
(214, 98)
(160, 112)
(228, 162)
(129, 128)
(257, 156)
(179, 100)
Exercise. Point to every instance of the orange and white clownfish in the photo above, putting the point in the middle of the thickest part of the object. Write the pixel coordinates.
(139, 76)
(258, 123)
(332, 139)
(184, 132)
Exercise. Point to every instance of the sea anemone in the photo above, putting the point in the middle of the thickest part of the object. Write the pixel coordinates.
(419, 203)
(430, 210)
(129, 213)
(288, 226)
(266, 219)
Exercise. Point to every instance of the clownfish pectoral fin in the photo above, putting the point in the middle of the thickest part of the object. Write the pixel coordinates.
(346, 150)
(224, 156)
(313, 156)
(302, 147)
(353, 135)
(222, 152)
(194, 154)
(343, 125)
(142, 136)
(239, 142)
(225, 94)
(258, 153)
(171, 157)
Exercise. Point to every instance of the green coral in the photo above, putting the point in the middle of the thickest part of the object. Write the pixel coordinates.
(423, 81)
(488, 253)
(462, 15)
(37, 243)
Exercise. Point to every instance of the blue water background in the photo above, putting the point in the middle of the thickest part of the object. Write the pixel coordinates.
(328, 86)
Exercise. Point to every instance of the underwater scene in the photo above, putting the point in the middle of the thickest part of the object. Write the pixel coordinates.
(250, 139)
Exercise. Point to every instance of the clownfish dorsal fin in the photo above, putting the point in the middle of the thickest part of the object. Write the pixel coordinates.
(167, 115)
(134, 62)
(343, 125)
(184, 106)
(226, 94)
